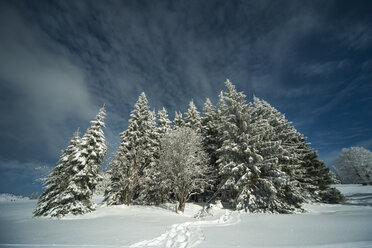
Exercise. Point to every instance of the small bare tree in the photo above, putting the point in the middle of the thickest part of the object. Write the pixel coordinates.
(184, 164)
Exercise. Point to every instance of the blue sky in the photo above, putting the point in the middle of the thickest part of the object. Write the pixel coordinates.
(61, 60)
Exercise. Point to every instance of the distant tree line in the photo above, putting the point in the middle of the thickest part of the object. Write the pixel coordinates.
(246, 154)
(354, 165)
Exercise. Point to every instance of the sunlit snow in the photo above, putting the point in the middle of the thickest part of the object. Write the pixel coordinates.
(324, 225)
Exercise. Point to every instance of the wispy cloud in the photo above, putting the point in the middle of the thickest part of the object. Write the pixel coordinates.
(322, 69)
(61, 60)
(357, 36)
(44, 89)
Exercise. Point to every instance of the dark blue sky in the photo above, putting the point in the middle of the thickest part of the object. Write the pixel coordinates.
(61, 60)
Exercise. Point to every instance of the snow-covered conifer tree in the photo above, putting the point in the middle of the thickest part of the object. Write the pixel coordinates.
(211, 142)
(184, 162)
(335, 176)
(163, 122)
(178, 121)
(116, 191)
(76, 174)
(292, 145)
(193, 119)
(309, 178)
(50, 202)
(232, 156)
(151, 190)
(316, 179)
(103, 183)
(136, 152)
(85, 163)
(249, 158)
(158, 185)
(210, 131)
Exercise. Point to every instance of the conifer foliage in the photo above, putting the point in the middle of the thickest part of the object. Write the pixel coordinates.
(264, 163)
(210, 131)
(72, 183)
(134, 156)
(178, 120)
(193, 119)
(50, 201)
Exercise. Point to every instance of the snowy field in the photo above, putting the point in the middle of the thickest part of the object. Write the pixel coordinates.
(347, 225)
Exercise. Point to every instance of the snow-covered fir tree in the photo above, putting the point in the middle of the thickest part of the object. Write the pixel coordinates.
(76, 174)
(178, 120)
(50, 202)
(103, 183)
(135, 153)
(280, 160)
(335, 176)
(85, 164)
(232, 157)
(184, 163)
(159, 184)
(308, 177)
(292, 143)
(250, 158)
(163, 122)
(115, 192)
(211, 142)
(193, 119)
(319, 180)
(151, 190)
(209, 130)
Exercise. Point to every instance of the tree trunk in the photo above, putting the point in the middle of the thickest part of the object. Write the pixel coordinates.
(181, 202)
(181, 205)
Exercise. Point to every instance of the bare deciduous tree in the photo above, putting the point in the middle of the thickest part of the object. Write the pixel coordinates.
(184, 164)
(354, 165)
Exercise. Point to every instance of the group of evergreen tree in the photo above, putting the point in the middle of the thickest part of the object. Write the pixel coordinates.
(246, 154)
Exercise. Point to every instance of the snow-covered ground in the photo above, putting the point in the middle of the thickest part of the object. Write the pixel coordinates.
(346, 225)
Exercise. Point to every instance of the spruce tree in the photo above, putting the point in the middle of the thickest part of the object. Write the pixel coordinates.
(178, 121)
(163, 122)
(193, 119)
(292, 144)
(115, 193)
(317, 180)
(232, 158)
(249, 158)
(151, 190)
(210, 131)
(72, 183)
(85, 163)
(135, 153)
(161, 183)
(50, 202)
(309, 177)
(211, 141)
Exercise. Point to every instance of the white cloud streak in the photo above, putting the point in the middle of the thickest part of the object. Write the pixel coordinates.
(48, 89)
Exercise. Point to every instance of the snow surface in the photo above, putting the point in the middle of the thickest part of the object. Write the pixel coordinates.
(323, 225)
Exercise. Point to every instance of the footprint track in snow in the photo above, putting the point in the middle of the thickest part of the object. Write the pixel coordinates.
(188, 234)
